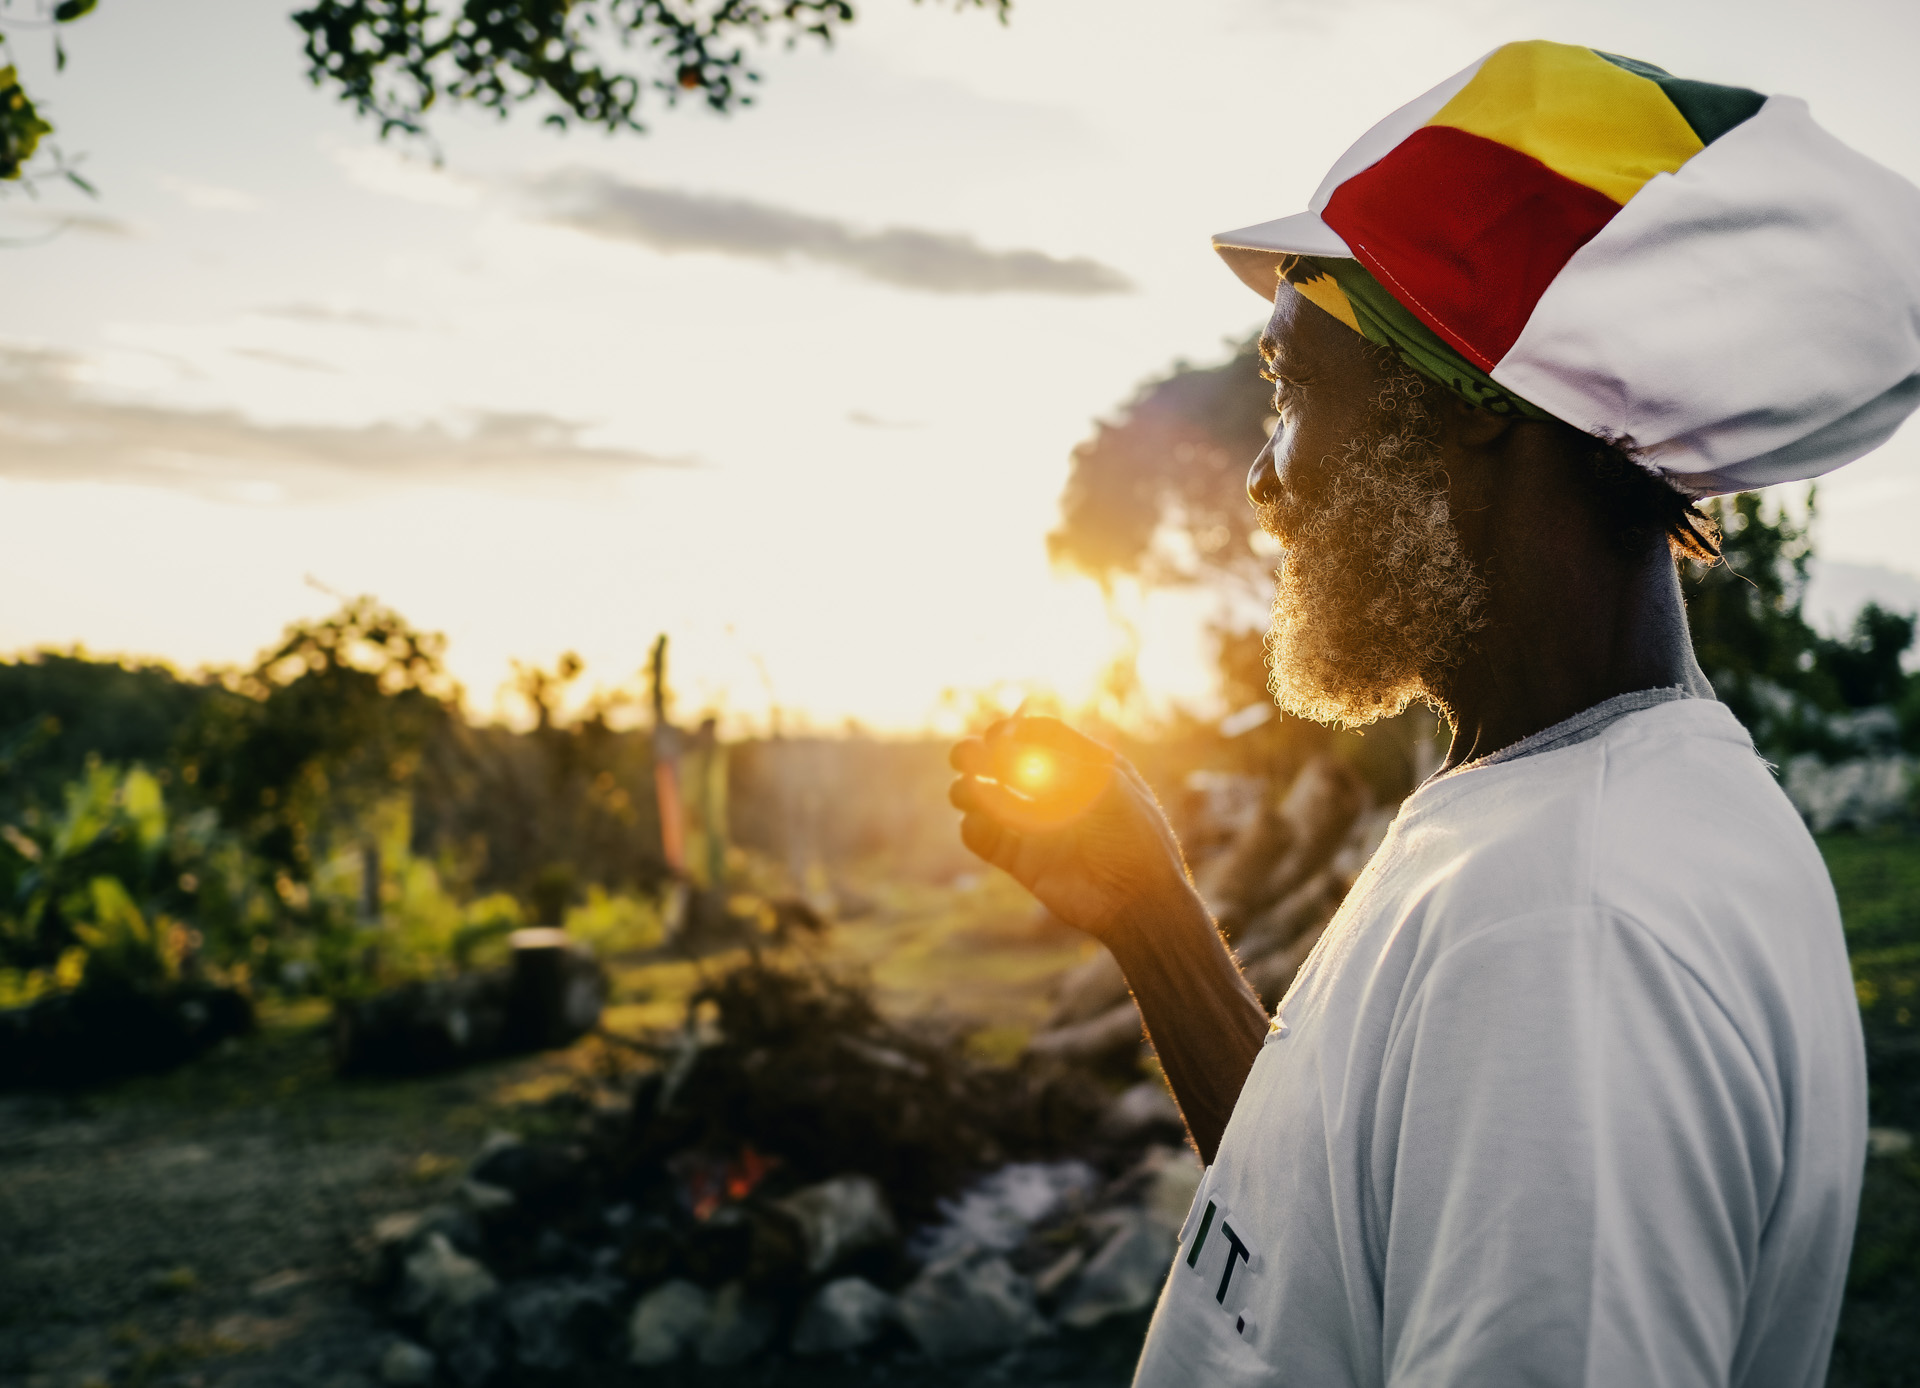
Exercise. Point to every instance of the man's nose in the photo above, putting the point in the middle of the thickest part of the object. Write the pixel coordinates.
(1263, 478)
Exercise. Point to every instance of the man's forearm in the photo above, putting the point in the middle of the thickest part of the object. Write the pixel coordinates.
(1205, 1022)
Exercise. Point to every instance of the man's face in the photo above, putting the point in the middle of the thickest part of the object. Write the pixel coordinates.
(1376, 596)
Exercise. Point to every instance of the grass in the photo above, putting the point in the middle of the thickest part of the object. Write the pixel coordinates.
(1877, 878)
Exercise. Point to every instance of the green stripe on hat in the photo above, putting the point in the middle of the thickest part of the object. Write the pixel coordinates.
(1711, 109)
(1383, 319)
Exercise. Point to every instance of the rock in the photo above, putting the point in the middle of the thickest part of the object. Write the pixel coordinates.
(848, 1313)
(558, 1323)
(469, 1345)
(1170, 1180)
(1272, 974)
(1125, 1275)
(666, 1322)
(437, 1278)
(1087, 991)
(406, 1365)
(482, 1199)
(531, 1172)
(838, 1217)
(1889, 1142)
(996, 1212)
(1113, 1035)
(738, 1327)
(1055, 1275)
(1141, 1111)
(396, 1236)
(967, 1305)
(1307, 906)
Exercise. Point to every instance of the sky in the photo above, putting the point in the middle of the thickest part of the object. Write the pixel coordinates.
(797, 386)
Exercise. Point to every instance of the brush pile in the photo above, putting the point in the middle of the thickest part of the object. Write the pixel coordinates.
(799, 1187)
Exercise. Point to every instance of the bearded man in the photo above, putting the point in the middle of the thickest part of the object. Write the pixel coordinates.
(1571, 1091)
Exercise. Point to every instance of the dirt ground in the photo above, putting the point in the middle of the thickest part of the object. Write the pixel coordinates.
(200, 1228)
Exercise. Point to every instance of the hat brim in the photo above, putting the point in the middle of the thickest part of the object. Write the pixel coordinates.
(1254, 253)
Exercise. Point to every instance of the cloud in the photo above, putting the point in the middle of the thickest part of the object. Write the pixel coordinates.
(86, 223)
(209, 197)
(286, 359)
(51, 430)
(382, 169)
(328, 314)
(941, 262)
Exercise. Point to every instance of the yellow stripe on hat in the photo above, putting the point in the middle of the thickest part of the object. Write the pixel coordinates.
(1322, 292)
(1577, 113)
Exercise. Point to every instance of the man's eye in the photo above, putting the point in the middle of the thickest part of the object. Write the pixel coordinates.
(1285, 394)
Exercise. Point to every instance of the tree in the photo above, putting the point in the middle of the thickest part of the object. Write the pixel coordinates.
(590, 61)
(325, 727)
(22, 127)
(1160, 493)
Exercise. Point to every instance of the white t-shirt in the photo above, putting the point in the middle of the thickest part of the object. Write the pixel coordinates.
(1571, 1092)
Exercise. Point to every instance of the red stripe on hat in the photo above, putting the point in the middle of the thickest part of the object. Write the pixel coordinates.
(1466, 232)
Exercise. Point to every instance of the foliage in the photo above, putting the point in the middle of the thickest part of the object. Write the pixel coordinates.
(394, 60)
(22, 127)
(322, 729)
(1160, 493)
(58, 709)
(1791, 686)
(1877, 879)
(99, 894)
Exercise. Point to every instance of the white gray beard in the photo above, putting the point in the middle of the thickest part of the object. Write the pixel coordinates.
(1376, 596)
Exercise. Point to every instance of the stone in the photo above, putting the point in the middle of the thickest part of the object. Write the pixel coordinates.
(1889, 1142)
(1125, 1275)
(469, 1347)
(1171, 1178)
(531, 1172)
(967, 1305)
(738, 1328)
(482, 1199)
(996, 1213)
(839, 1217)
(558, 1323)
(846, 1314)
(1141, 1111)
(406, 1365)
(666, 1322)
(437, 1277)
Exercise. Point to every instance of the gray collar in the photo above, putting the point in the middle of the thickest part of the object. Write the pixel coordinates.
(1588, 723)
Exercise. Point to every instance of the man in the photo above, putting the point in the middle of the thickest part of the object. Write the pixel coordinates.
(1571, 1091)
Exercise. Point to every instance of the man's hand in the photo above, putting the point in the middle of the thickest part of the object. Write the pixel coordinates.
(1078, 827)
(1071, 821)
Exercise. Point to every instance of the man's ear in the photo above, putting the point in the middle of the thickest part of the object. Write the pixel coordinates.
(1471, 426)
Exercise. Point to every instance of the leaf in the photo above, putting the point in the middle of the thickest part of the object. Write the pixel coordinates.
(69, 10)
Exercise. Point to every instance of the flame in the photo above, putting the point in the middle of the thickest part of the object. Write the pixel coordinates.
(710, 1185)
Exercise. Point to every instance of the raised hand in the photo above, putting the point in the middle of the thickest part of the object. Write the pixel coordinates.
(1070, 820)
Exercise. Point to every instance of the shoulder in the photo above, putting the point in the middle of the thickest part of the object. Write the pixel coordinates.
(1670, 821)
(1668, 805)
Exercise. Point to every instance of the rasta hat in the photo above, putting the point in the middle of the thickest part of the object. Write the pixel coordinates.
(1697, 273)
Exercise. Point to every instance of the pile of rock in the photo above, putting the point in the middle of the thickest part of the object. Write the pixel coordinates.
(798, 1182)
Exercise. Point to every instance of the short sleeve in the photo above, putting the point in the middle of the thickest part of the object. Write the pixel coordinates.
(1573, 1155)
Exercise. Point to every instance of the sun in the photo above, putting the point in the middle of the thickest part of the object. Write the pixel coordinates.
(1033, 771)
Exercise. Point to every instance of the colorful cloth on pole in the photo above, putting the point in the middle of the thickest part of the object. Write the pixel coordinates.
(1697, 272)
